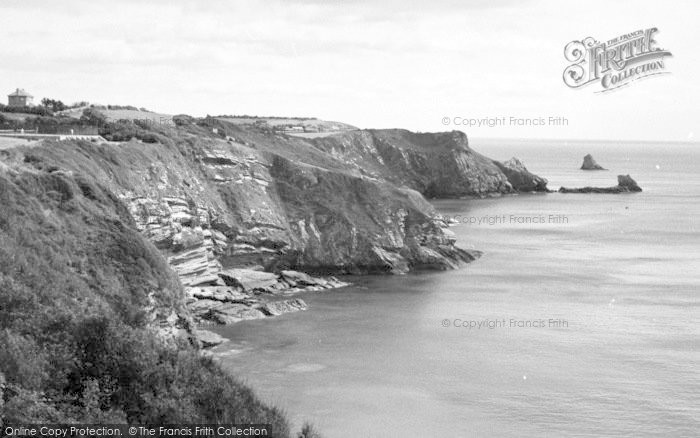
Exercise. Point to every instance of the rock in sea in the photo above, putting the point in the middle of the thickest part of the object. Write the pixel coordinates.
(625, 184)
(590, 164)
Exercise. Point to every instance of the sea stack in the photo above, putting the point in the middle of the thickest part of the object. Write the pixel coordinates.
(626, 181)
(590, 164)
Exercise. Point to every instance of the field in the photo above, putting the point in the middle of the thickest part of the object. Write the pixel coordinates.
(306, 123)
(118, 114)
(114, 115)
(313, 134)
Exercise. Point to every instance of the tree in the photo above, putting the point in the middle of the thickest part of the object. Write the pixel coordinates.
(53, 105)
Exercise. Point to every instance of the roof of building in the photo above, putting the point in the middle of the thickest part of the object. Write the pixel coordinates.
(20, 93)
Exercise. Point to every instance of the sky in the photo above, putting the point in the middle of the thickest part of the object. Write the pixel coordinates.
(373, 64)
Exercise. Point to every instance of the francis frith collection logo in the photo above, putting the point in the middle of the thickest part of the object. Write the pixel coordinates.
(614, 63)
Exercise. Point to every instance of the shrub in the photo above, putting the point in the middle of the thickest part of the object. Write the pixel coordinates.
(308, 431)
(22, 362)
(38, 110)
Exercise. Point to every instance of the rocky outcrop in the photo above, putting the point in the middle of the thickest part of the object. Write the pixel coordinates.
(209, 339)
(242, 294)
(275, 308)
(249, 280)
(625, 184)
(520, 178)
(439, 165)
(590, 164)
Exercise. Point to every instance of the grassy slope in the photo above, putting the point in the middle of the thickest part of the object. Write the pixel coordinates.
(324, 125)
(10, 142)
(74, 280)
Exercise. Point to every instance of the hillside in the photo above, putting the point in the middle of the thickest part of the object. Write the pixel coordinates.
(93, 327)
(11, 142)
(278, 201)
(290, 124)
(115, 113)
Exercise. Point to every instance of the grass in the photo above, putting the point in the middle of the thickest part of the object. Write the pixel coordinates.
(123, 114)
(11, 142)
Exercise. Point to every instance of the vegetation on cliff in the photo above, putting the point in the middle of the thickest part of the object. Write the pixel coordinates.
(82, 293)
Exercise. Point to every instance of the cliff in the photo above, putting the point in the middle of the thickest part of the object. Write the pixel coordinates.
(438, 165)
(259, 200)
(211, 195)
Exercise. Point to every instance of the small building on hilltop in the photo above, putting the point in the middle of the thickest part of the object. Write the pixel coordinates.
(20, 98)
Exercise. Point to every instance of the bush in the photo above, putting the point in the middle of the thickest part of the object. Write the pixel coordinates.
(93, 117)
(22, 361)
(38, 110)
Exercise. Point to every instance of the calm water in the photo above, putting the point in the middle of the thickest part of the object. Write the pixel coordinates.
(374, 360)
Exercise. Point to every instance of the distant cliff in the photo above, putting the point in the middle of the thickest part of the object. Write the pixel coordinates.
(439, 165)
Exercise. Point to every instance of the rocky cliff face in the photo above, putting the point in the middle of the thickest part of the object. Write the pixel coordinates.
(211, 196)
(520, 178)
(436, 164)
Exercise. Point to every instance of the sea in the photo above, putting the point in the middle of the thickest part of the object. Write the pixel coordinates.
(581, 319)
